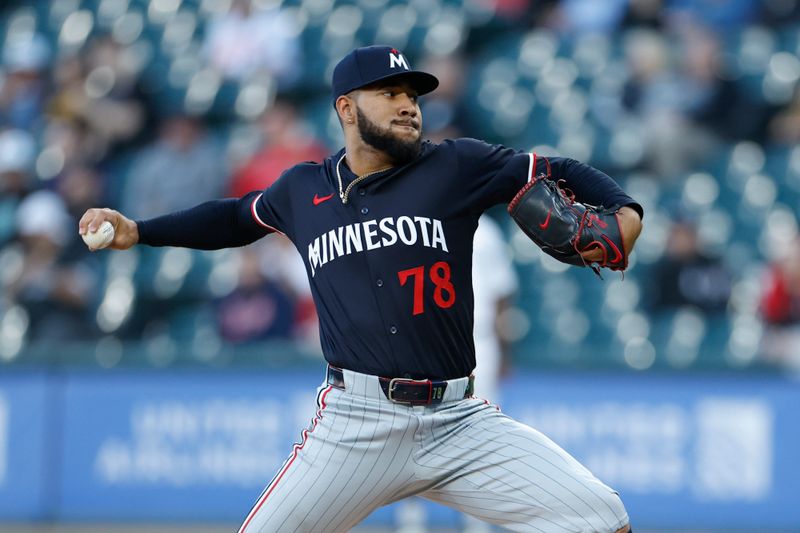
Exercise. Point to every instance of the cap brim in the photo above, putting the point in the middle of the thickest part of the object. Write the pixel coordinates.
(422, 82)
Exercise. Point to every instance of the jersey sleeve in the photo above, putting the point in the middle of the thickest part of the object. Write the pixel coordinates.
(211, 225)
(589, 185)
(270, 208)
(492, 174)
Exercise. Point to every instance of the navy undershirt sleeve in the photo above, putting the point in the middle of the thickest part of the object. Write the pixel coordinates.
(589, 184)
(212, 225)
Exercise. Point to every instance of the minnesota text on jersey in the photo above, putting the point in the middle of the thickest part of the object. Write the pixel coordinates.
(373, 234)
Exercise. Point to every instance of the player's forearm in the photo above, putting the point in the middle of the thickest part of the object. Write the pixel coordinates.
(630, 221)
(590, 185)
(209, 226)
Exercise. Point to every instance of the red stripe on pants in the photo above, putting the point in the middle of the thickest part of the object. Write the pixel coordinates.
(296, 450)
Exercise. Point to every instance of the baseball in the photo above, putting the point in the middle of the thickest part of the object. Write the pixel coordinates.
(100, 238)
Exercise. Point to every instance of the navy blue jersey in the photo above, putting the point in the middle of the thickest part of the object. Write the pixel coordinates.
(390, 262)
(390, 267)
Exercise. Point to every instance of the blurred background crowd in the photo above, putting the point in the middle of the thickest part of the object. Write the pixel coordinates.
(150, 106)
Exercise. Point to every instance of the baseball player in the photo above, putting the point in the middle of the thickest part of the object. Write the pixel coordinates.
(385, 228)
(494, 285)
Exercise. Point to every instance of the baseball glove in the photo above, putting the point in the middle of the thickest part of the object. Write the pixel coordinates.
(565, 229)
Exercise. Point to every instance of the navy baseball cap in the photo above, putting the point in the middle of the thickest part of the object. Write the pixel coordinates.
(367, 65)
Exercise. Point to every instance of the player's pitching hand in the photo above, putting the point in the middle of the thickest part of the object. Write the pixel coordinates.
(630, 225)
(126, 233)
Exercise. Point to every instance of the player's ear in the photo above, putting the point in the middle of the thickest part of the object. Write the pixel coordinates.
(346, 108)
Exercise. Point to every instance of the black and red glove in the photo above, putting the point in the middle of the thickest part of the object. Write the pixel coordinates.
(566, 229)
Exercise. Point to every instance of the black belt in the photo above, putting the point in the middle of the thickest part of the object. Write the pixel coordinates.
(403, 390)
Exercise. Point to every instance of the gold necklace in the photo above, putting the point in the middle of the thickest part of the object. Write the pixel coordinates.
(343, 194)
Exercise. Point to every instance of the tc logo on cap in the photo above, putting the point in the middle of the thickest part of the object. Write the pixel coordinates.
(396, 59)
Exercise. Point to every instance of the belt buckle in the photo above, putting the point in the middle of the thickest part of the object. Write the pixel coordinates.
(335, 377)
(393, 383)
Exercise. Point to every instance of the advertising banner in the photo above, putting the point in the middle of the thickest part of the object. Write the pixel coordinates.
(177, 446)
(683, 451)
(26, 425)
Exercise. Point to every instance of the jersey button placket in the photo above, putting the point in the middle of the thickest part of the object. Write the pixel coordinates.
(379, 282)
(364, 210)
(393, 330)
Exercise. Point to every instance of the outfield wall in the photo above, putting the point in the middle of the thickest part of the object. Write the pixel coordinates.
(708, 451)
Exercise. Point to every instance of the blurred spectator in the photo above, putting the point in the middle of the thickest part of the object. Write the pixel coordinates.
(776, 13)
(182, 168)
(67, 143)
(712, 91)
(286, 142)
(685, 275)
(281, 264)
(514, 10)
(679, 90)
(538, 13)
(56, 288)
(780, 309)
(17, 153)
(580, 17)
(719, 15)
(24, 88)
(250, 39)
(644, 14)
(784, 127)
(257, 309)
(81, 187)
(650, 96)
(443, 109)
(100, 89)
(494, 285)
(68, 129)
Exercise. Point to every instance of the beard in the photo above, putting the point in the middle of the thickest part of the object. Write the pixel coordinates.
(398, 150)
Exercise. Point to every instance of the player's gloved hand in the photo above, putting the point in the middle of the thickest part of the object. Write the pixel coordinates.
(126, 232)
(572, 232)
(630, 224)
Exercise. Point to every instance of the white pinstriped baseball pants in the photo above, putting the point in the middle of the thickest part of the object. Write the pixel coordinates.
(362, 451)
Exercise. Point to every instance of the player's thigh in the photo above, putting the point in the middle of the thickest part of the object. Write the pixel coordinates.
(335, 476)
(510, 474)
